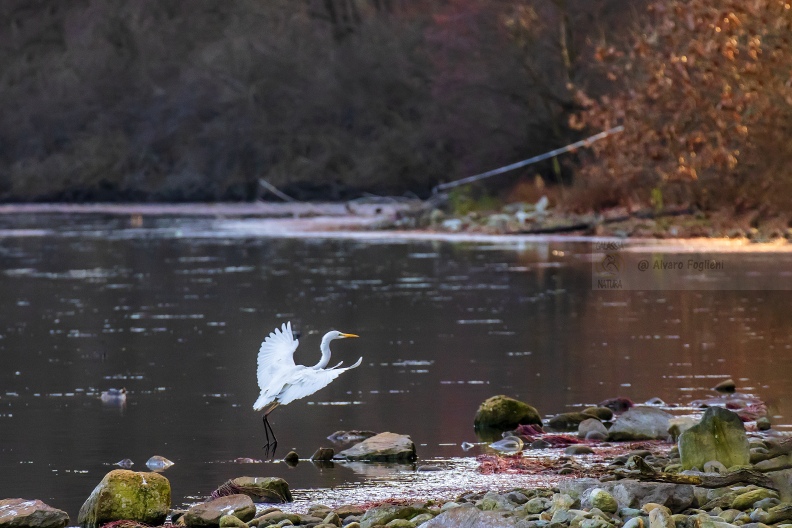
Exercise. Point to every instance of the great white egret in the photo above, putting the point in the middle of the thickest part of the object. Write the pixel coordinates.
(281, 381)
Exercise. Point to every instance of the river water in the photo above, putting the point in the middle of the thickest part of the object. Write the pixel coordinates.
(173, 310)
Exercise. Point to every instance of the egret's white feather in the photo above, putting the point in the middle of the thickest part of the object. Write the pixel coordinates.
(275, 355)
(305, 382)
(280, 380)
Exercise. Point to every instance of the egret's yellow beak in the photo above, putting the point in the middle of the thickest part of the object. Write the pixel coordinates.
(349, 335)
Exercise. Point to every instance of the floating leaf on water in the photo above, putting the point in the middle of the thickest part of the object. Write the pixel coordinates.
(510, 444)
(467, 446)
(158, 463)
(126, 463)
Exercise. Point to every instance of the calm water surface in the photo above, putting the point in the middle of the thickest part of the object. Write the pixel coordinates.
(174, 311)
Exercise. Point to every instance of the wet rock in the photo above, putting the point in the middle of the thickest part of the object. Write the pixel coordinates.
(231, 521)
(635, 522)
(763, 423)
(278, 517)
(468, 516)
(21, 513)
(494, 501)
(207, 514)
(510, 444)
(660, 518)
(727, 386)
(349, 509)
(332, 518)
(713, 466)
(617, 405)
(640, 423)
(537, 505)
(719, 436)
(382, 515)
(567, 421)
(775, 464)
(382, 447)
(601, 413)
(601, 499)
(591, 425)
(127, 495)
(422, 518)
(747, 499)
(400, 523)
(292, 458)
(504, 413)
(323, 453)
(260, 489)
(578, 449)
(633, 493)
(158, 463)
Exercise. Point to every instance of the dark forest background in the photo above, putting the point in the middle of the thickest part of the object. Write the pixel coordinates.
(327, 99)
(195, 100)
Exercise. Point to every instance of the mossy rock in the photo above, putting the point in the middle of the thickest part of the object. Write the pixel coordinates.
(567, 421)
(602, 414)
(504, 413)
(127, 495)
(720, 435)
(382, 515)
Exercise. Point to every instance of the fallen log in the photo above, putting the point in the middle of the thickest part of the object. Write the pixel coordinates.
(645, 472)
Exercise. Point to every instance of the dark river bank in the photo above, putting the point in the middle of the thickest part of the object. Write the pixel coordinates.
(174, 311)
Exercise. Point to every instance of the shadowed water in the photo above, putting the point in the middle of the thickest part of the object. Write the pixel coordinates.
(174, 312)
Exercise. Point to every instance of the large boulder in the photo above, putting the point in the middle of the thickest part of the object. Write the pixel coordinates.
(640, 423)
(21, 513)
(260, 489)
(468, 516)
(382, 447)
(720, 435)
(127, 495)
(207, 514)
(630, 493)
(504, 413)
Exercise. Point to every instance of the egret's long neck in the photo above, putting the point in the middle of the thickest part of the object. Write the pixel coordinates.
(325, 348)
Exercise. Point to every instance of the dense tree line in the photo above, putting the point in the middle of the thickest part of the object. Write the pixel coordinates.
(196, 100)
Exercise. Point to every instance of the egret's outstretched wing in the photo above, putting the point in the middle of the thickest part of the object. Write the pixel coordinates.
(305, 382)
(276, 354)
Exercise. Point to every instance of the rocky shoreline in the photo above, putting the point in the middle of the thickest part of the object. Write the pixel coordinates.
(615, 465)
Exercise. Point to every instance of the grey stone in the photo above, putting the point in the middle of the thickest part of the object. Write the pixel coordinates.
(382, 515)
(323, 453)
(260, 489)
(591, 425)
(578, 449)
(21, 513)
(640, 423)
(382, 447)
(468, 516)
(719, 436)
(207, 514)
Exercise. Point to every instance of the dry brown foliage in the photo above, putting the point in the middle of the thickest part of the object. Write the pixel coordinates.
(705, 96)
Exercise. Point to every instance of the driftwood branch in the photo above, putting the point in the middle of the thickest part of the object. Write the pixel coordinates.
(645, 472)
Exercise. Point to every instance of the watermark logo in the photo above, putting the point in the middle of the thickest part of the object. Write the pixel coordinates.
(616, 267)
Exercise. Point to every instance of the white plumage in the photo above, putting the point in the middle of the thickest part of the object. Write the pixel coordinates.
(282, 381)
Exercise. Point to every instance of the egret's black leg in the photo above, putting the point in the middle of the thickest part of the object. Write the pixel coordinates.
(267, 431)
